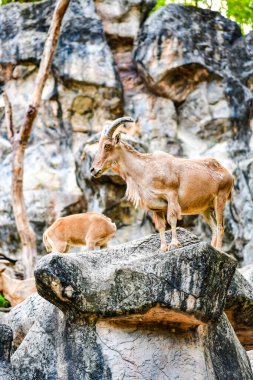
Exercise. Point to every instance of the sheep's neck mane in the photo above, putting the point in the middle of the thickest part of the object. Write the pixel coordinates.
(131, 169)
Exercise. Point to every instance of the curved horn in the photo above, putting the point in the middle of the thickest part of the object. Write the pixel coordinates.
(108, 131)
(5, 258)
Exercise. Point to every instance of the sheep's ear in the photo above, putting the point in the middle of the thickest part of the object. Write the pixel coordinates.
(2, 268)
(117, 138)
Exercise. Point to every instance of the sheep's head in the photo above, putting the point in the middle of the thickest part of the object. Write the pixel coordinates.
(108, 148)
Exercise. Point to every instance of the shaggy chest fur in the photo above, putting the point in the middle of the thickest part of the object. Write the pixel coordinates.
(141, 196)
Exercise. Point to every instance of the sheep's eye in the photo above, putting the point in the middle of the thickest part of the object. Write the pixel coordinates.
(107, 146)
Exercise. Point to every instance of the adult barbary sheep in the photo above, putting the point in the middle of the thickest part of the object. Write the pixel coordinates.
(163, 183)
(91, 229)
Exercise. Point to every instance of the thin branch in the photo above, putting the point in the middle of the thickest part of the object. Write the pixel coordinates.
(8, 117)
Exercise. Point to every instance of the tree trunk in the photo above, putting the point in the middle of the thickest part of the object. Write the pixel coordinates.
(26, 233)
(20, 140)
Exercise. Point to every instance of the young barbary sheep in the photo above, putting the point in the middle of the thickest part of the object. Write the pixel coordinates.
(163, 183)
(91, 229)
(14, 290)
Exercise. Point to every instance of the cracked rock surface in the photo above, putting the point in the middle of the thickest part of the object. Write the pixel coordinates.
(6, 337)
(239, 309)
(136, 276)
(131, 312)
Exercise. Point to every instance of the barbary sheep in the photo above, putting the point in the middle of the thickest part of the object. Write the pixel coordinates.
(163, 183)
(91, 229)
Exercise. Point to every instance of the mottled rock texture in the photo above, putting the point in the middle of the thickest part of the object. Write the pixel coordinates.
(122, 19)
(186, 46)
(239, 309)
(247, 272)
(240, 301)
(136, 276)
(184, 73)
(131, 312)
(6, 338)
(250, 355)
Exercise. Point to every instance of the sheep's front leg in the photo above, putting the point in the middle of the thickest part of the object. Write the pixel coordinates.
(60, 246)
(173, 214)
(159, 221)
(90, 245)
(164, 246)
(172, 220)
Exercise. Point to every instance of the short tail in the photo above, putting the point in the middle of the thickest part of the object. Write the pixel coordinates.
(230, 194)
(231, 189)
(46, 243)
(114, 227)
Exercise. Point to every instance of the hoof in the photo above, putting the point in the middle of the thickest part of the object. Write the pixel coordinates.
(164, 247)
(173, 246)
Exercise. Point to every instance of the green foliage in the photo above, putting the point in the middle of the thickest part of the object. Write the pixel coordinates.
(159, 3)
(4, 2)
(240, 11)
(3, 301)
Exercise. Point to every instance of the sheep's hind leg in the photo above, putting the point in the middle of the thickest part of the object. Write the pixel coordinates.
(159, 221)
(91, 239)
(60, 246)
(90, 245)
(219, 205)
(210, 219)
(173, 214)
(103, 244)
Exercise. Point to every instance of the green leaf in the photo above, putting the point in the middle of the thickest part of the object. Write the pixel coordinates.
(240, 11)
(3, 301)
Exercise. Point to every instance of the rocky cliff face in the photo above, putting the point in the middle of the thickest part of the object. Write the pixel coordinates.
(186, 74)
(131, 312)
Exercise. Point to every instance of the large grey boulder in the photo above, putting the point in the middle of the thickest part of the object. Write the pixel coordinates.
(75, 50)
(250, 355)
(171, 62)
(133, 278)
(241, 59)
(240, 213)
(247, 272)
(239, 309)
(131, 312)
(6, 337)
